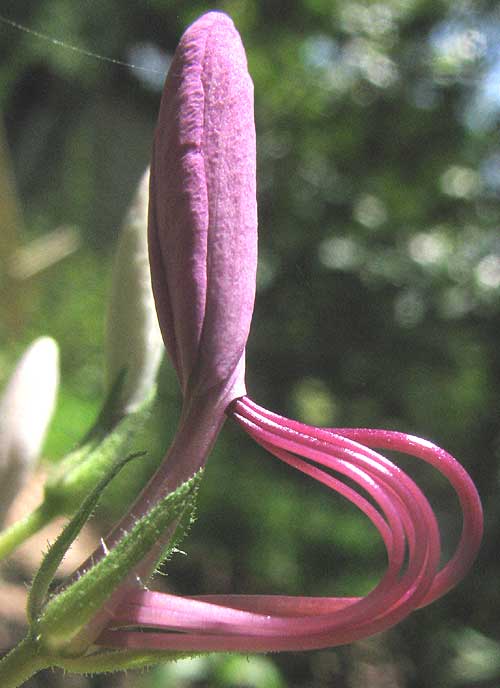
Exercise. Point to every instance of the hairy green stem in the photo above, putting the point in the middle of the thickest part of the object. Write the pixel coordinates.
(109, 661)
(21, 663)
(20, 531)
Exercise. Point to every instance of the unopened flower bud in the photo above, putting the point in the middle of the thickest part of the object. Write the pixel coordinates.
(26, 409)
(203, 214)
(133, 340)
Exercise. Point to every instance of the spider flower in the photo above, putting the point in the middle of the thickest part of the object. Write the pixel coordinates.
(202, 234)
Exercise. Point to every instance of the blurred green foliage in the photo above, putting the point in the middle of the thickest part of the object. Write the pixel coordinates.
(379, 283)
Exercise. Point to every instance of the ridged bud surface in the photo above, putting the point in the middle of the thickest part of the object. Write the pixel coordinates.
(203, 214)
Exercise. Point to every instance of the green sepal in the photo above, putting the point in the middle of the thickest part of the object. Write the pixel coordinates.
(67, 613)
(184, 524)
(48, 568)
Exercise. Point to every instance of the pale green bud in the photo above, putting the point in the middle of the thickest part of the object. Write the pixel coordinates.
(133, 339)
(26, 409)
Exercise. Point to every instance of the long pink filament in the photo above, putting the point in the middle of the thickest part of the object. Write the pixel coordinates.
(472, 528)
(403, 518)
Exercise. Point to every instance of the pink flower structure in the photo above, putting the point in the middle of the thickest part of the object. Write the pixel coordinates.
(202, 237)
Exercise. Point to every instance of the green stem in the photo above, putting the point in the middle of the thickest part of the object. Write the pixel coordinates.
(110, 661)
(20, 531)
(21, 663)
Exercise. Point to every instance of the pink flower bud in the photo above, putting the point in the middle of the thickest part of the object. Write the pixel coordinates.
(203, 214)
(203, 256)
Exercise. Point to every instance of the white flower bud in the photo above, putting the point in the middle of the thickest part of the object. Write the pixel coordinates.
(26, 409)
(133, 338)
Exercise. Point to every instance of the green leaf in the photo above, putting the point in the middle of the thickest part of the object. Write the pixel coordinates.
(67, 613)
(45, 574)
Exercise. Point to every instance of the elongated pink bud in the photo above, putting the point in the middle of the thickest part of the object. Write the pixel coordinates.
(202, 234)
(203, 214)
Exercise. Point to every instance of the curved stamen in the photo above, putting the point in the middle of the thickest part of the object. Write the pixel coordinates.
(423, 520)
(450, 468)
(447, 465)
(402, 516)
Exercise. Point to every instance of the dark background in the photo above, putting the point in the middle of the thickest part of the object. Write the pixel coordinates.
(379, 286)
